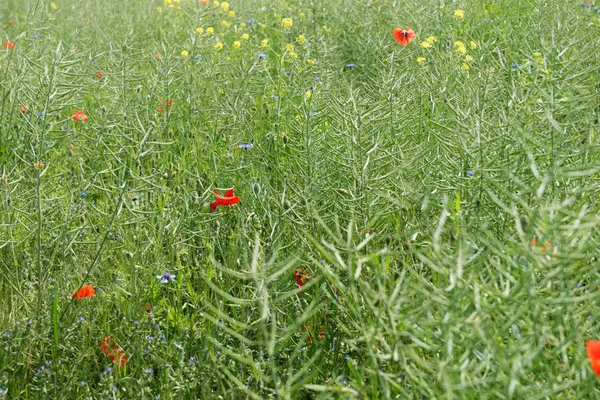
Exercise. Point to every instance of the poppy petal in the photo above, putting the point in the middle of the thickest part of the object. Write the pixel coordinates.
(593, 352)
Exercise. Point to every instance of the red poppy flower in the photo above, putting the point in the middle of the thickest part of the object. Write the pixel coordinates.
(113, 351)
(100, 75)
(80, 116)
(9, 45)
(227, 200)
(322, 333)
(593, 352)
(404, 36)
(534, 242)
(300, 276)
(85, 291)
(164, 106)
(23, 108)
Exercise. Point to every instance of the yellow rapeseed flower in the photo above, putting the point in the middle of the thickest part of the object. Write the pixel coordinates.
(168, 2)
(184, 54)
(460, 47)
(199, 31)
(237, 44)
(426, 44)
(263, 26)
(264, 43)
(159, 9)
(289, 47)
(226, 24)
(431, 39)
(218, 45)
(301, 39)
(231, 14)
(465, 66)
(308, 94)
(243, 24)
(473, 45)
(225, 6)
(286, 22)
(302, 14)
(216, 3)
(421, 60)
(459, 14)
(293, 54)
(53, 6)
(245, 36)
(210, 30)
(468, 59)
(311, 62)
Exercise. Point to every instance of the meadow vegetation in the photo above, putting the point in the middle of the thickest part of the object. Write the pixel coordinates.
(411, 222)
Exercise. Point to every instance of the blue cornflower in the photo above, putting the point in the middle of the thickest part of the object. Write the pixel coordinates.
(36, 36)
(515, 65)
(249, 22)
(262, 56)
(83, 194)
(246, 146)
(470, 173)
(114, 388)
(288, 73)
(197, 56)
(148, 370)
(166, 277)
(350, 66)
(40, 114)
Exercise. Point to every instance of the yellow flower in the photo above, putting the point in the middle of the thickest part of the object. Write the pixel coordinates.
(468, 59)
(286, 22)
(301, 39)
(263, 26)
(243, 24)
(237, 44)
(537, 55)
(199, 31)
(459, 14)
(264, 43)
(159, 9)
(289, 47)
(431, 39)
(308, 94)
(245, 36)
(302, 14)
(460, 47)
(311, 62)
(231, 14)
(218, 45)
(224, 6)
(426, 44)
(168, 2)
(465, 66)
(53, 6)
(326, 28)
(210, 30)
(225, 24)
(184, 54)
(216, 3)
(421, 60)
(473, 45)
(298, 117)
(220, 90)
(293, 54)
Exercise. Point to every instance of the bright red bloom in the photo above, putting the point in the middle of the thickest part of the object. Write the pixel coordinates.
(9, 45)
(300, 276)
(322, 333)
(80, 116)
(100, 75)
(227, 200)
(593, 352)
(113, 351)
(166, 104)
(404, 36)
(23, 108)
(85, 291)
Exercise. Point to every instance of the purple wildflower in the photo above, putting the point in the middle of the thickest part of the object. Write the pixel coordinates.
(166, 277)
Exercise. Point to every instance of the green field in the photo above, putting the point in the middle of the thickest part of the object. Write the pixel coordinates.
(414, 222)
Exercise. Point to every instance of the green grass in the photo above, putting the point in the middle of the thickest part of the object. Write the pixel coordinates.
(408, 192)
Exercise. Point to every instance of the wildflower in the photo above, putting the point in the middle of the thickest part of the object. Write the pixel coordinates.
(460, 47)
(301, 39)
(262, 56)
(288, 73)
(287, 22)
(53, 6)
(263, 26)
(473, 45)
(515, 65)
(289, 47)
(421, 60)
(225, 6)
(23, 108)
(38, 165)
(227, 200)
(237, 44)
(165, 105)
(199, 31)
(465, 67)
(243, 24)
(264, 43)
(308, 94)
(100, 75)
(80, 116)
(157, 56)
(226, 24)
(249, 21)
(210, 30)
(311, 62)
(9, 45)
(245, 36)
(159, 9)
(468, 59)
(231, 14)
(470, 173)
(593, 352)
(426, 45)
(459, 14)
(85, 291)
(293, 54)
(404, 36)
(216, 3)
(300, 275)
(322, 333)
(350, 66)
(35, 36)
(166, 277)
(245, 146)
(113, 351)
